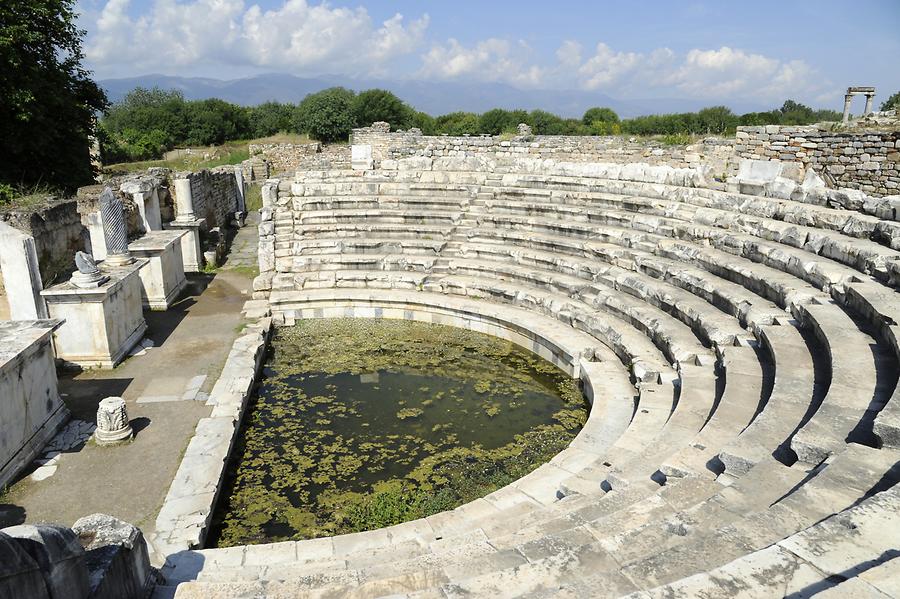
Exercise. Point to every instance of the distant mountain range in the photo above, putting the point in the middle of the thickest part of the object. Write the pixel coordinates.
(432, 97)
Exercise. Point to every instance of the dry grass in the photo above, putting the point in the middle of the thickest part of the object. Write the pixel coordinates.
(232, 152)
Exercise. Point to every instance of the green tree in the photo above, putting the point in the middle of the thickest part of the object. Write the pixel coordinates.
(374, 105)
(143, 110)
(326, 115)
(716, 119)
(753, 119)
(499, 120)
(598, 114)
(48, 102)
(546, 123)
(457, 123)
(794, 113)
(214, 121)
(425, 122)
(270, 118)
(892, 103)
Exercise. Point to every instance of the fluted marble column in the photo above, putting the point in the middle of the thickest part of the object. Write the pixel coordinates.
(115, 230)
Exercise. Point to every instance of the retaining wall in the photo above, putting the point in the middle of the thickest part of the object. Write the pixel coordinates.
(867, 161)
(285, 157)
(57, 231)
(215, 195)
(403, 144)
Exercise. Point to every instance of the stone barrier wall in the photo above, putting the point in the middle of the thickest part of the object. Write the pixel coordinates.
(388, 145)
(285, 157)
(866, 161)
(215, 195)
(59, 226)
(58, 233)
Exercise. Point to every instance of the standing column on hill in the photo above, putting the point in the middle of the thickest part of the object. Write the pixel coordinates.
(848, 98)
(868, 109)
(115, 230)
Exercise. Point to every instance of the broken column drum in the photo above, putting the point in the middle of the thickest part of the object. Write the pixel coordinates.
(87, 275)
(112, 422)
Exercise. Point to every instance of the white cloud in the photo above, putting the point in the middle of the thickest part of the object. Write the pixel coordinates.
(720, 73)
(228, 38)
(606, 67)
(729, 72)
(298, 37)
(489, 60)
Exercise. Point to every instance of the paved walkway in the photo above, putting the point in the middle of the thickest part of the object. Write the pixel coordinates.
(164, 390)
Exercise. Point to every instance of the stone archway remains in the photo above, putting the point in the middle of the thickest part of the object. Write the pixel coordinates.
(868, 92)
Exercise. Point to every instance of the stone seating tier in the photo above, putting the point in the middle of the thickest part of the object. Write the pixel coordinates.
(752, 437)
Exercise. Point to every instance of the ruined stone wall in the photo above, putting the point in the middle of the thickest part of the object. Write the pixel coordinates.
(285, 157)
(215, 195)
(255, 169)
(865, 160)
(563, 148)
(59, 225)
(58, 233)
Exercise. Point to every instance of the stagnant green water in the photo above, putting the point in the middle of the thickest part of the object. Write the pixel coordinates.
(364, 423)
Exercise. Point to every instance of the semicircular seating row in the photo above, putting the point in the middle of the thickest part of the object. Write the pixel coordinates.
(753, 450)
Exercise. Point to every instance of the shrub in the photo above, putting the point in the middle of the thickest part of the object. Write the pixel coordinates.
(598, 114)
(892, 103)
(425, 122)
(7, 193)
(716, 120)
(270, 118)
(457, 123)
(375, 105)
(546, 123)
(498, 120)
(147, 109)
(326, 115)
(214, 121)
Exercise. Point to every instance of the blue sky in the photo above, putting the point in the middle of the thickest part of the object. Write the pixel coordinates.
(750, 51)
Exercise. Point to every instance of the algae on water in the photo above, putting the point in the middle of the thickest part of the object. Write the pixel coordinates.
(364, 423)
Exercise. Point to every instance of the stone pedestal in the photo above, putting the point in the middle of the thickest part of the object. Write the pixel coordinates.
(361, 157)
(103, 323)
(21, 274)
(146, 199)
(113, 426)
(31, 410)
(191, 250)
(163, 278)
(94, 223)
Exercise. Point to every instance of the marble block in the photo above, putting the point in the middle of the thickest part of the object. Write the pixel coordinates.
(31, 410)
(191, 250)
(162, 280)
(102, 323)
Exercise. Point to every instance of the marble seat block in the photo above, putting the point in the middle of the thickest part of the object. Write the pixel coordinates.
(31, 410)
(191, 250)
(163, 278)
(102, 323)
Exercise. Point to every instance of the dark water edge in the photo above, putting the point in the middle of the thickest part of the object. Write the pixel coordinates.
(363, 423)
